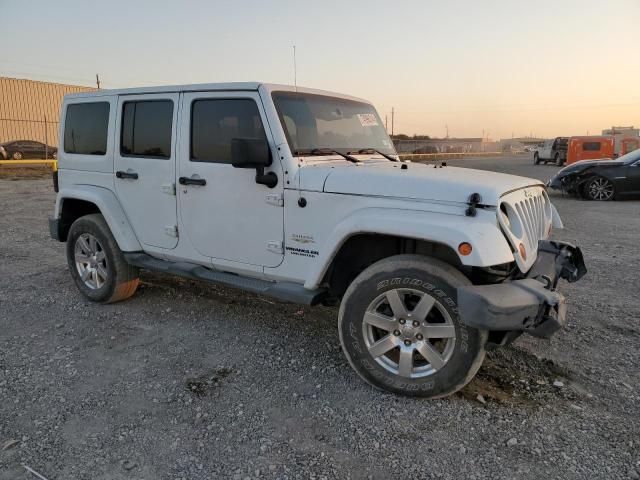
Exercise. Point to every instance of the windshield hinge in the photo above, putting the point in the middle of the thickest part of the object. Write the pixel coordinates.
(275, 246)
(276, 199)
(168, 188)
(171, 230)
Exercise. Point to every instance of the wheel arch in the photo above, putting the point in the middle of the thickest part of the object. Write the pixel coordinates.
(373, 234)
(73, 203)
(361, 250)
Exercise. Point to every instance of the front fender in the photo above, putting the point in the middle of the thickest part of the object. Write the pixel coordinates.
(489, 244)
(110, 209)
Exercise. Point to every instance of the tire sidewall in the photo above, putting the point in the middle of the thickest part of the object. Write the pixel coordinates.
(453, 375)
(79, 227)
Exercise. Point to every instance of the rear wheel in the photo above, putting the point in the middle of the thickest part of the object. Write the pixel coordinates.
(599, 188)
(400, 330)
(558, 160)
(96, 262)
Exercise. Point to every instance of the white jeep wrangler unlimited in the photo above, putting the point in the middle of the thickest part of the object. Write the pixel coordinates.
(299, 194)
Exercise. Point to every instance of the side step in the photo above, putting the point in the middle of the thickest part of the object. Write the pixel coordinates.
(288, 291)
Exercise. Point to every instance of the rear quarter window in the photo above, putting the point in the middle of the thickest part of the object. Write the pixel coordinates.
(86, 128)
(591, 146)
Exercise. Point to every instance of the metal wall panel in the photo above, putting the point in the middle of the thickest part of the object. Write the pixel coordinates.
(30, 110)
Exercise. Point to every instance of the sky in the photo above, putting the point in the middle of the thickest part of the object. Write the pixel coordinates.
(498, 68)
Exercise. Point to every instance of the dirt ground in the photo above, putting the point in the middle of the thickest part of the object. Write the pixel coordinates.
(189, 380)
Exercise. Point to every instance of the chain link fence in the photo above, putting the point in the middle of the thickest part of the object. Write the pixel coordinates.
(23, 139)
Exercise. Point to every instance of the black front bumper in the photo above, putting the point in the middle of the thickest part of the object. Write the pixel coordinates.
(532, 304)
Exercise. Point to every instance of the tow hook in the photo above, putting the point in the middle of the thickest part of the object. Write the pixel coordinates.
(547, 280)
(475, 199)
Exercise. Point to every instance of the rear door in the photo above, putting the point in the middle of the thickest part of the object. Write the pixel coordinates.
(144, 165)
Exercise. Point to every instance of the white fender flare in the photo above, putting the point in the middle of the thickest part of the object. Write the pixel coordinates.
(490, 247)
(110, 209)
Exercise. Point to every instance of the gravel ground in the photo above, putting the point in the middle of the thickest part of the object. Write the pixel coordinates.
(191, 381)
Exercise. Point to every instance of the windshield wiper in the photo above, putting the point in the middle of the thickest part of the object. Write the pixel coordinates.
(368, 150)
(326, 151)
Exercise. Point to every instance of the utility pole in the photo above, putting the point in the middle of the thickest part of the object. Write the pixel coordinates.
(392, 120)
(98, 81)
(386, 127)
(447, 129)
(295, 69)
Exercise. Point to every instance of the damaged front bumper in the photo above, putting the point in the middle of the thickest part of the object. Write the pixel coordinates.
(532, 304)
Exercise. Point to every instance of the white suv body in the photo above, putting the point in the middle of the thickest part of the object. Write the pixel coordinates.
(299, 194)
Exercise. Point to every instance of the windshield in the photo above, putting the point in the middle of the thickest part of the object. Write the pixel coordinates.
(630, 157)
(320, 122)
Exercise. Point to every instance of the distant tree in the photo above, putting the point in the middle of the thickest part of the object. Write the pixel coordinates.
(402, 136)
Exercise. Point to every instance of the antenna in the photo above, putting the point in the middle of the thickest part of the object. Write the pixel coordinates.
(393, 114)
(295, 69)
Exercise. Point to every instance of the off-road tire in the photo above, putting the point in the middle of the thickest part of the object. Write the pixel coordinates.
(122, 280)
(558, 160)
(432, 277)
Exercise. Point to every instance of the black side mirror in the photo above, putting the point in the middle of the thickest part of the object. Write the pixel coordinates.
(250, 153)
(253, 153)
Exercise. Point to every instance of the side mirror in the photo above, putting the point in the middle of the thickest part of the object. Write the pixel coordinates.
(250, 153)
(253, 153)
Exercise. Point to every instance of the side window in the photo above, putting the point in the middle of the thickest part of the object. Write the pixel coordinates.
(85, 128)
(214, 123)
(146, 128)
(591, 147)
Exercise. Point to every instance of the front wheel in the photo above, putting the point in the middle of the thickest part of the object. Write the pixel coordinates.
(399, 328)
(599, 188)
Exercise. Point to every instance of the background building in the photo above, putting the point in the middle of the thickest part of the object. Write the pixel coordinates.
(444, 145)
(30, 110)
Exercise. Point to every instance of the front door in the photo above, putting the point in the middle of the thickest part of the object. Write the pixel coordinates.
(224, 212)
(631, 182)
(144, 165)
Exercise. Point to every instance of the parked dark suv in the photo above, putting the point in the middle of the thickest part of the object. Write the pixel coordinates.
(22, 149)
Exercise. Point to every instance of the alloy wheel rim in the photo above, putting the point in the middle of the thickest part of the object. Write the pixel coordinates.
(91, 261)
(409, 333)
(601, 189)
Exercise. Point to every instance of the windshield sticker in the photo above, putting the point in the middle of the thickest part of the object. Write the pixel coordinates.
(368, 119)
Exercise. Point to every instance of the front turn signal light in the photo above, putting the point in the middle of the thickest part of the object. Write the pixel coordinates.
(523, 251)
(465, 249)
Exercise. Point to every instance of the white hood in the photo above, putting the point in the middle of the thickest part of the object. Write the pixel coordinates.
(418, 181)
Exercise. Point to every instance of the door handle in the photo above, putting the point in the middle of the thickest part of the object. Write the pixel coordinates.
(131, 175)
(192, 181)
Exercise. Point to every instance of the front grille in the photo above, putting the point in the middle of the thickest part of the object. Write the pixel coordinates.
(528, 213)
(531, 210)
